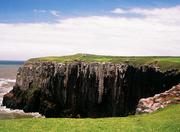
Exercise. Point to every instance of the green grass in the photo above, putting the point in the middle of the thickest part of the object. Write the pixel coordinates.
(163, 62)
(165, 120)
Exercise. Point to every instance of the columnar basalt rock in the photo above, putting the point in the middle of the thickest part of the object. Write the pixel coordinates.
(81, 89)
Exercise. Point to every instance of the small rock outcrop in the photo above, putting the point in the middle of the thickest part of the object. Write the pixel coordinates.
(81, 89)
(161, 100)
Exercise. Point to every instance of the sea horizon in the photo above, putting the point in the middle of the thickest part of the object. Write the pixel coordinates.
(11, 62)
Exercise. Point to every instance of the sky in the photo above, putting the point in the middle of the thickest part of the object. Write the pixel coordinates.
(35, 28)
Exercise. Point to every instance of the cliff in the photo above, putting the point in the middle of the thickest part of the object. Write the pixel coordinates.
(86, 89)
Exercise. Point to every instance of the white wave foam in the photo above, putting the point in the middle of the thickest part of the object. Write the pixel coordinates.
(3, 80)
(3, 91)
(9, 85)
(3, 109)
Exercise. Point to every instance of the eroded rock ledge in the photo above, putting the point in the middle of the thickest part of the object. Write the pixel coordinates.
(80, 89)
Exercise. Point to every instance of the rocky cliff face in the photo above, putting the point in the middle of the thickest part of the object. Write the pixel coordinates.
(80, 89)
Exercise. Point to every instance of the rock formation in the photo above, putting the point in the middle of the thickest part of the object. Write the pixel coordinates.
(158, 101)
(81, 89)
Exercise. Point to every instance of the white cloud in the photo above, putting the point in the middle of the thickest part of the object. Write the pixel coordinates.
(156, 11)
(119, 11)
(52, 12)
(55, 13)
(168, 15)
(39, 11)
(150, 35)
(149, 11)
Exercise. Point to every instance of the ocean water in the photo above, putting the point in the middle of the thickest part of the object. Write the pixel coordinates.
(8, 70)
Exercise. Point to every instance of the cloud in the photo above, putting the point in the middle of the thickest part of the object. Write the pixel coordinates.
(52, 12)
(39, 11)
(119, 11)
(169, 15)
(119, 35)
(55, 13)
(156, 11)
(148, 12)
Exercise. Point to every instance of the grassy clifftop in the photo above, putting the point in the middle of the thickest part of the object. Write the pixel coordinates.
(163, 62)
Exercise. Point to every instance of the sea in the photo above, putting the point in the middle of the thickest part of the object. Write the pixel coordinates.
(8, 71)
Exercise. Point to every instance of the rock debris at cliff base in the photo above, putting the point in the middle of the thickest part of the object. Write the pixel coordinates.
(162, 100)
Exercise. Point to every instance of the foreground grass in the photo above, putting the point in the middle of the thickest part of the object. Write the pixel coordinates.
(163, 62)
(166, 120)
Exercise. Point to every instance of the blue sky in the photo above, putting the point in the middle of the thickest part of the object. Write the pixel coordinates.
(19, 11)
(35, 28)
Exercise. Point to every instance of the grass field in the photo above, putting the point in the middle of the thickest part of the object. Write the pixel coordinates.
(164, 120)
(163, 62)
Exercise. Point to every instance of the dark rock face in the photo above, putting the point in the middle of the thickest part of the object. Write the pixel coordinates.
(82, 89)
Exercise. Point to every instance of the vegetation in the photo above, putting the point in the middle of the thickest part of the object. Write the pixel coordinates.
(163, 62)
(164, 120)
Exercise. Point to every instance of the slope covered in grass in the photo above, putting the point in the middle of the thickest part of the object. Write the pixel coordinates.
(163, 62)
(165, 120)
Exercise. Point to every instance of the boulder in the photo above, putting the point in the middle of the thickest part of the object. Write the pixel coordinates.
(159, 101)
